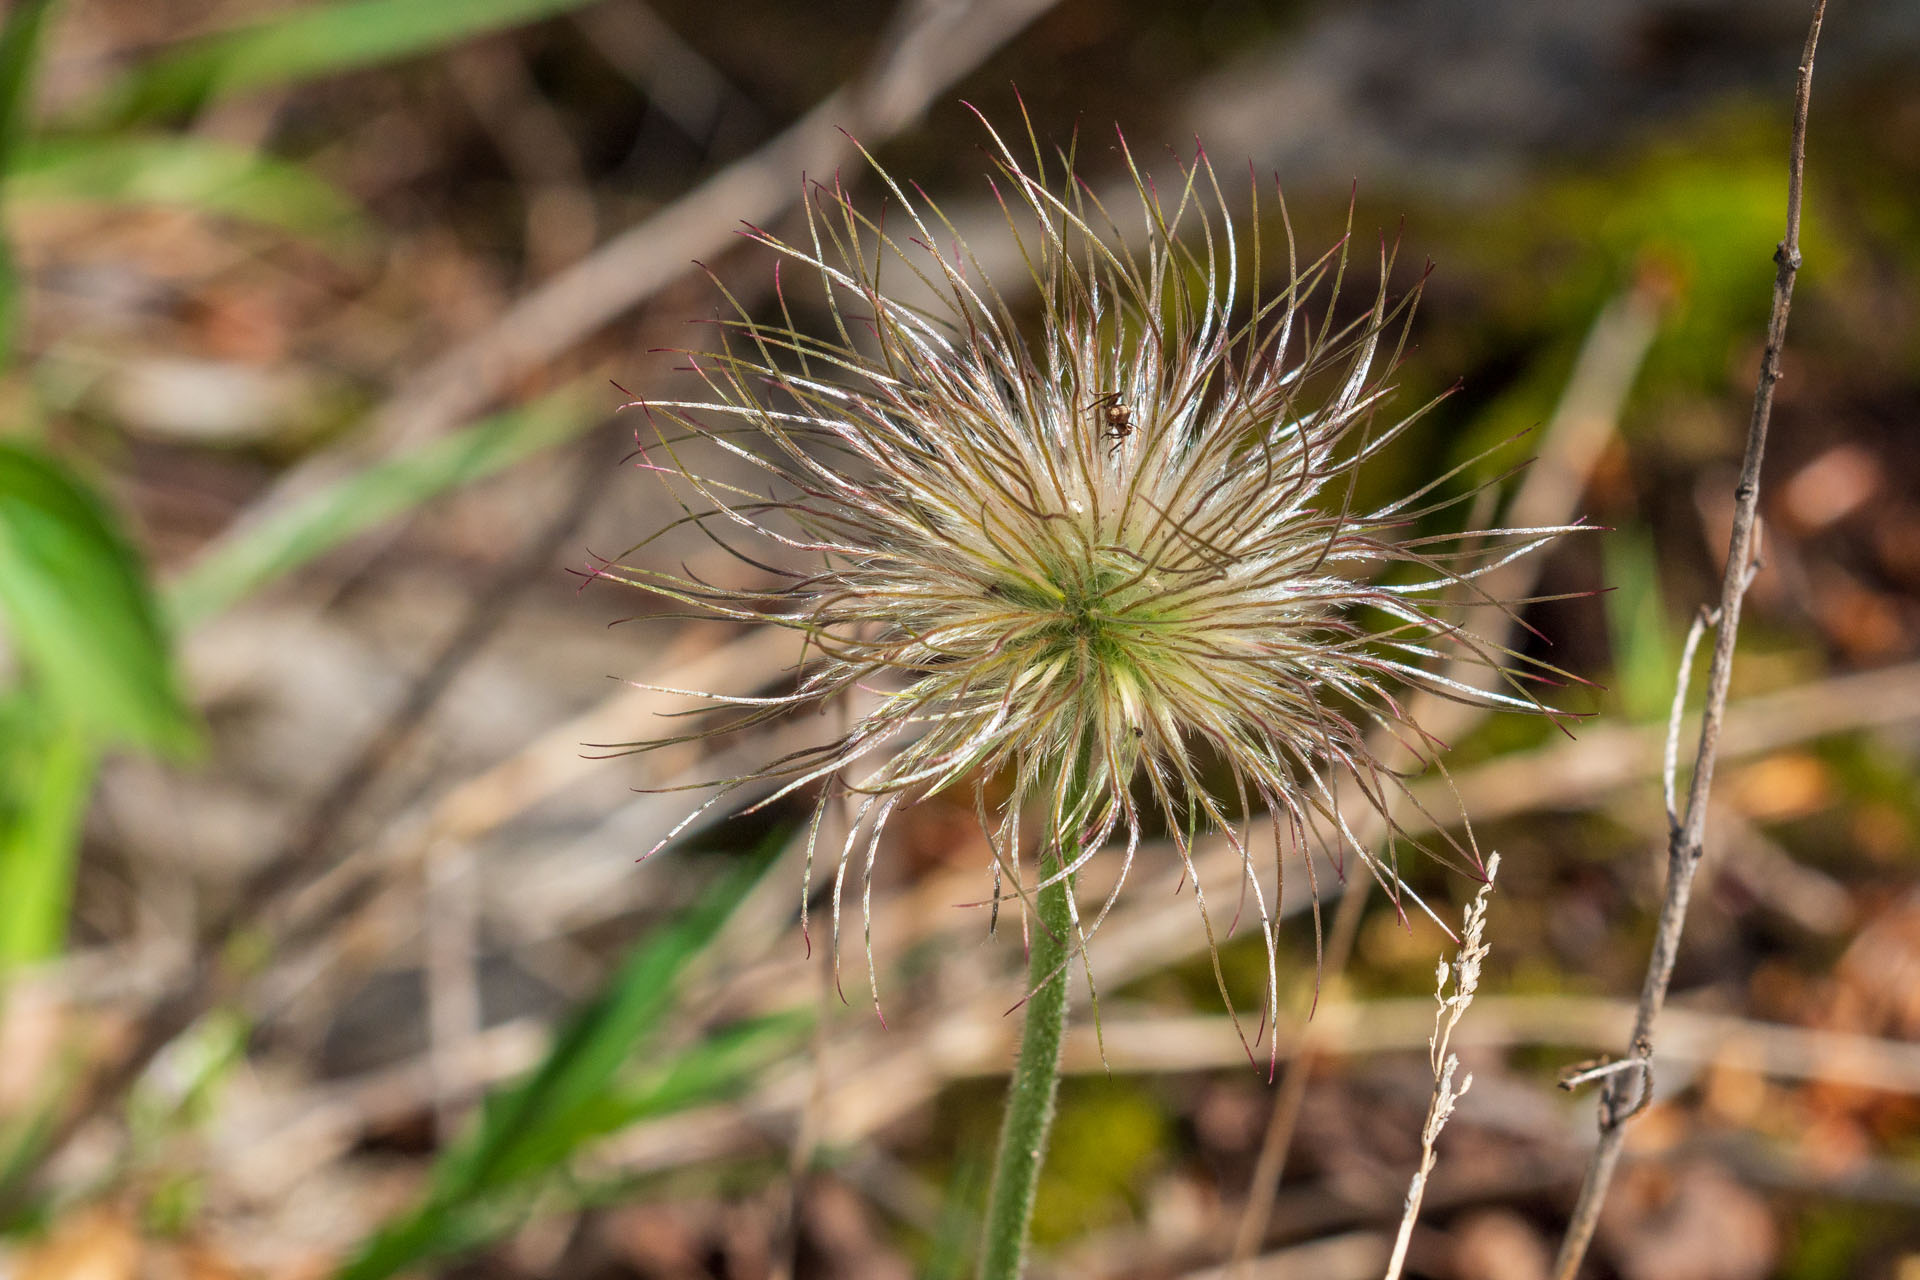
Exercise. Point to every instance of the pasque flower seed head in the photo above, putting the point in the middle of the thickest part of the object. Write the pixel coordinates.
(1101, 565)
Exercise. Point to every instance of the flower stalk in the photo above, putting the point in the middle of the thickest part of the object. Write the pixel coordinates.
(1034, 1085)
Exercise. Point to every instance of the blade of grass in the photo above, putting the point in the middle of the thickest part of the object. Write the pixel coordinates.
(307, 43)
(580, 1091)
(590, 1054)
(328, 517)
(1644, 647)
(45, 777)
(19, 50)
(95, 667)
(950, 1254)
(718, 1066)
(191, 172)
(79, 612)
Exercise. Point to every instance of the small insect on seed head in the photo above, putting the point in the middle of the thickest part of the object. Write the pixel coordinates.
(1117, 416)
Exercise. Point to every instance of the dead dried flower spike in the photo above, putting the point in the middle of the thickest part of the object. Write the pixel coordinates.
(1102, 566)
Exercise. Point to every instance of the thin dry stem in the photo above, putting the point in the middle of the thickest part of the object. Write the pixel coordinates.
(1463, 975)
(452, 954)
(1627, 1093)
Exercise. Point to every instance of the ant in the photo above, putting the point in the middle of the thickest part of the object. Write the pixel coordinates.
(1117, 416)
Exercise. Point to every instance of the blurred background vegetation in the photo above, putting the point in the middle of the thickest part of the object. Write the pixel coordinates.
(323, 946)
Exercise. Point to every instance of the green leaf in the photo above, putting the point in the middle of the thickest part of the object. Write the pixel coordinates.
(956, 1234)
(701, 1073)
(583, 1090)
(322, 520)
(186, 171)
(46, 772)
(78, 610)
(310, 42)
(19, 50)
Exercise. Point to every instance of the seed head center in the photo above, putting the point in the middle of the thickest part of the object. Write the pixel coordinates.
(1087, 620)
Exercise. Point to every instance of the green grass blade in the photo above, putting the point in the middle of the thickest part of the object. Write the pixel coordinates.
(956, 1234)
(310, 42)
(78, 610)
(1644, 647)
(184, 171)
(46, 772)
(587, 1059)
(698, 1074)
(580, 1091)
(19, 51)
(329, 517)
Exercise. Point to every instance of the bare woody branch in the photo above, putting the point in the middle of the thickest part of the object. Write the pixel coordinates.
(1626, 1092)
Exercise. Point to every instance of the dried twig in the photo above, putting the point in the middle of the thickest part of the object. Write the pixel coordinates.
(1564, 775)
(1626, 1093)
(1350, 1256)
(1448, 1085)
(451, 924)
(883, 1076)
(537, 148)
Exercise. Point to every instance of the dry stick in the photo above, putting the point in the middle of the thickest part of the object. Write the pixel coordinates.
(1582, 423)
(1573, 774)
(878, 1084)
(1627, 1092)
(450, 894)
(268, 1152)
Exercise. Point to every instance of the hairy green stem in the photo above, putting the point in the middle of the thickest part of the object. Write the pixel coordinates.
(1030, 1093)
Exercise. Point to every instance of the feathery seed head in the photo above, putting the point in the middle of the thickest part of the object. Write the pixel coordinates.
(1108, 559)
